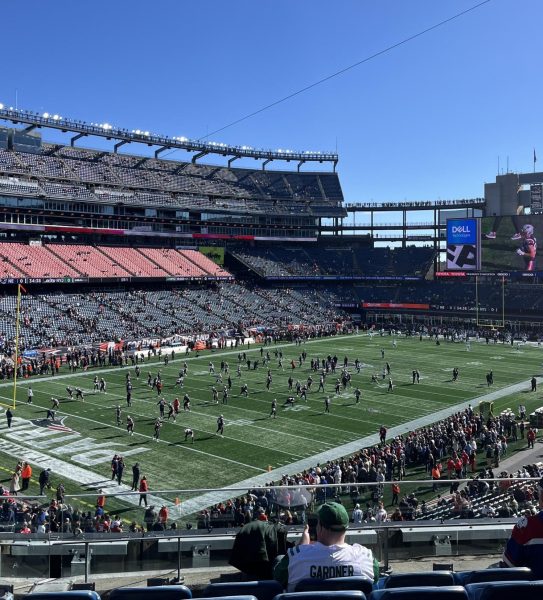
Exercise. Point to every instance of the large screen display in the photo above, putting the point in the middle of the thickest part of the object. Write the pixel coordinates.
(509, 244)
(463, 245)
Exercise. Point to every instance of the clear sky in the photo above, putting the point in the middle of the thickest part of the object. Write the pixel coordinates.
(424, 121)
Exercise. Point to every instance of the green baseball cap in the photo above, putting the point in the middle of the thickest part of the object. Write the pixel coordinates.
(333, 516)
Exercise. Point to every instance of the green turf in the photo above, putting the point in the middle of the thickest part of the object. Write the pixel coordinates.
(252, 440)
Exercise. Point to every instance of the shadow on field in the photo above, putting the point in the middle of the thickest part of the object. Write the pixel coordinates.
(207, 437)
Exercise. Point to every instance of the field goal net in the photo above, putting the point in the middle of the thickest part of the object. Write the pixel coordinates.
(497, 320)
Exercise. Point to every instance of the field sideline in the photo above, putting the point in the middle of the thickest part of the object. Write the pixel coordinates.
(253, 442)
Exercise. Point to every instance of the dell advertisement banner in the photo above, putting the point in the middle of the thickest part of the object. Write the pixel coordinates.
(463, 246)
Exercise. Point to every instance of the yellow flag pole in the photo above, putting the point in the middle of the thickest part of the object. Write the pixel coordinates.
(17, 313)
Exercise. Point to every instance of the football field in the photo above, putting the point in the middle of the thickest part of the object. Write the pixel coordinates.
(81, 441)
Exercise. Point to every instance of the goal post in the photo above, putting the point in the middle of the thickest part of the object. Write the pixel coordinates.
(497, 321)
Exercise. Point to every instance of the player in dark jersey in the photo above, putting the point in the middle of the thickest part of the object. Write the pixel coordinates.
(70, 392)
(220, 426)
(189, 434)
(118, 414)
(528, 248)
(161, 406)
(158, 426)
(130, 425)
(273, 412)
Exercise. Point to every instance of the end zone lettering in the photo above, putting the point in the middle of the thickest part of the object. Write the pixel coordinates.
(64, 441)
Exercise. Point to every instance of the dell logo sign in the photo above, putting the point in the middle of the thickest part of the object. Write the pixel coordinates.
(460, 229)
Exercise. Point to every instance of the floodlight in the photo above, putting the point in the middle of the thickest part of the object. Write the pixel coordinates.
(1, 106)
(45, 115)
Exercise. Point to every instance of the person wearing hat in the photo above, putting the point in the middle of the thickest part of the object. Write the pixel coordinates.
(330, 556)
(525, 546)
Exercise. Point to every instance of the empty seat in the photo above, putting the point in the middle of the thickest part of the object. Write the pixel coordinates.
(495, 574)
(265, 589)
(505, 590)
(423, 578)
(323, 595)
(335, 583)
(241, 597)
(446, 592)
(89, 585)
(159, 592)
(72, 595)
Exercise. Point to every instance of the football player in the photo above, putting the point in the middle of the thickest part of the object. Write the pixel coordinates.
(528, 249)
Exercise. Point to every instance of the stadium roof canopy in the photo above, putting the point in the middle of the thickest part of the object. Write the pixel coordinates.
(125, 136)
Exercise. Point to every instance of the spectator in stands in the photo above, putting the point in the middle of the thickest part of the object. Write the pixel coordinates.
(525, 546)
(381, 515)
(329, 556)
(357, 515)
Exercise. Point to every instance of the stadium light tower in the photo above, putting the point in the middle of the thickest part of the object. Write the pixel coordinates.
(199, 148)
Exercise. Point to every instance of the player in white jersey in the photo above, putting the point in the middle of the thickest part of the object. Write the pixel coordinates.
(329, 556)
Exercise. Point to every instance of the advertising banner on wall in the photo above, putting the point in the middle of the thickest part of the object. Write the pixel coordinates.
(463, 245)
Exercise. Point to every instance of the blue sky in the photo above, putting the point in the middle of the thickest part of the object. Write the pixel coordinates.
(427, 120)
